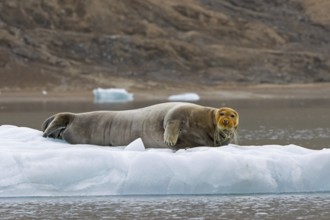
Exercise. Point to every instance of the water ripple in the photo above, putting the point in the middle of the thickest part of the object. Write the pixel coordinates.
(290, 134)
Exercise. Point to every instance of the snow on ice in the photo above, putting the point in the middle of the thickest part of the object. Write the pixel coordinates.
(184, 97)
(112, 95)
(31, 165)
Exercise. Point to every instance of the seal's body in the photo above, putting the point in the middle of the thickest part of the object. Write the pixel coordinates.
(176, 125)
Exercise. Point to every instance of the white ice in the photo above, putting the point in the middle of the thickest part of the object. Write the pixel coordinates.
(112, 95)
(31, 165)
(184, 97)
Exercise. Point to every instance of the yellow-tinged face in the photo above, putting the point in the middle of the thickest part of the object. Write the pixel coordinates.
(227, 118)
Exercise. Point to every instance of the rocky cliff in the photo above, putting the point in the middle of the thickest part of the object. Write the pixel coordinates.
(75, 45)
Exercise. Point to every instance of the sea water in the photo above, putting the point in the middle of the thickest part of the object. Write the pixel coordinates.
(273, 206)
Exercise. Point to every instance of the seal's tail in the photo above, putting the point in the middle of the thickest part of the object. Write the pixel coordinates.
(55, 125)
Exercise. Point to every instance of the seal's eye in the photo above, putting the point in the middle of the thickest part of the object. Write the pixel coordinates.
(233, 116)
(222, 114)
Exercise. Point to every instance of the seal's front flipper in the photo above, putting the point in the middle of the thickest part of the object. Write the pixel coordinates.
(172, 131)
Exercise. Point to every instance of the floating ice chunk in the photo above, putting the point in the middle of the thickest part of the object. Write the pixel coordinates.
(31, 165)
(136, 145)
(184, 97)
(112, 95)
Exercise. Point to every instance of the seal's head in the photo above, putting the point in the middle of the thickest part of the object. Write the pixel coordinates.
(227, 120)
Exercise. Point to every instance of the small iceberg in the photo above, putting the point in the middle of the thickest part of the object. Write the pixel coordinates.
(111, 95)
(184, 97)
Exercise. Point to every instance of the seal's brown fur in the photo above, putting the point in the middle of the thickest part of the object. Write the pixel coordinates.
(176, 125)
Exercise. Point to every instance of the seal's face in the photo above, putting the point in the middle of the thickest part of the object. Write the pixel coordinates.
(227, 119)
(227, 123)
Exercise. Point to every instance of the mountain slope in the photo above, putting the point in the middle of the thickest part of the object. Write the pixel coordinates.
(69, 45)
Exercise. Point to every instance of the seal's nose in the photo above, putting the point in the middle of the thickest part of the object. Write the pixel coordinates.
(225, 122)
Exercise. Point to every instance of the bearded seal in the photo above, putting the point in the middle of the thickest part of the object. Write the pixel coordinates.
(168, 125)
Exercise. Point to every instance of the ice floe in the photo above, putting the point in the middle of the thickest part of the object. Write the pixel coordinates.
(31, 165)
(184, 97)
(112, 95)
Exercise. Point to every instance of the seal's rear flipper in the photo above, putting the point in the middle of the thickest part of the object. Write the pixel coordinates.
(55, 125)
(56, 133)
(45, 125)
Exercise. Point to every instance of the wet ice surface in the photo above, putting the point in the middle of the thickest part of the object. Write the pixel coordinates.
(289, 206)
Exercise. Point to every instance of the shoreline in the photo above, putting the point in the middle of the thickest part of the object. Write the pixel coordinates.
(227, 92)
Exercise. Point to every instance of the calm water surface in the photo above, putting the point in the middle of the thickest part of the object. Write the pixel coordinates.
(296, 206)
(304, 122)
